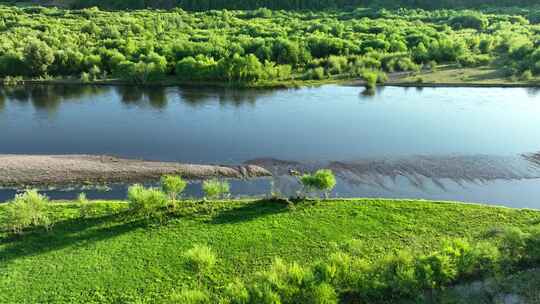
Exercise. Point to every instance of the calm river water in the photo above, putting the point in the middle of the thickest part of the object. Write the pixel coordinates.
(468, 144)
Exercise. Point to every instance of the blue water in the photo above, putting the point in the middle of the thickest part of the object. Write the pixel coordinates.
(329, 123)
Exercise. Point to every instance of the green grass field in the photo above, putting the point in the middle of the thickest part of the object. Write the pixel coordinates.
(110, 258)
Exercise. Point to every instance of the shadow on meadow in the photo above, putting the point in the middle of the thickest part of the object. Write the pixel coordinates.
(249, 211)
(72, 232)
(83, 231)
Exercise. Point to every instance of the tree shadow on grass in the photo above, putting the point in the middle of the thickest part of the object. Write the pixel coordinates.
(249, 212)
(73, 232)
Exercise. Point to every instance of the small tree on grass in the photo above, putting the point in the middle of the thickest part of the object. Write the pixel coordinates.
(146, 202)
(322, 180)
(200, 259)
(26, 210)
(84, 205)
(215, 189)
(173, 185)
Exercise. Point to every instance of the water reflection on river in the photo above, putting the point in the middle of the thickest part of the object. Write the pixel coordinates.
(435, 143)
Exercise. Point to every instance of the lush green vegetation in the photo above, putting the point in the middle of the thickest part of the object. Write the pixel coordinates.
(282, 4)
(265, 251)
(260, 46)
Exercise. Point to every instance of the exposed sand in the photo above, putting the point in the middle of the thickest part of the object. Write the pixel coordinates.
(418, 170)
(27, 170)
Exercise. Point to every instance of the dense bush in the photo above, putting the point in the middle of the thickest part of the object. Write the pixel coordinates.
(200, 259)
(261, 5)
(85, 209)
(322, 180)
(237, 47)
(215, 188)
(397, 277)
(146, 202)
(26, 210)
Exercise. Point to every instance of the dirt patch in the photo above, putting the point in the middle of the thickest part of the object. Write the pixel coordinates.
(30, 170)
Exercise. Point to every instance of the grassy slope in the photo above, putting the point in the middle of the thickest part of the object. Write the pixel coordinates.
(448, 75)
(108, 258)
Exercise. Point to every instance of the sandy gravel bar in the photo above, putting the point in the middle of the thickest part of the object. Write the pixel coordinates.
(25, 170)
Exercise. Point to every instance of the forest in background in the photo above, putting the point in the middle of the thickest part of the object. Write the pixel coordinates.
(200, 5)
(261, 45)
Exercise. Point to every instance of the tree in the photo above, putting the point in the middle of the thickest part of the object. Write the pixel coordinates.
(10, 65)
(38, 57)
(322, 180)
(173, 185)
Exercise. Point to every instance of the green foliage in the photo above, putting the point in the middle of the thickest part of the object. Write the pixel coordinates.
(290, 283)
(214, 188)
(85, 209)
(248, 235)
(370, 79)
(473, 21)
(236, 293)
(149, 46)
(189, 296)
(26, 210)
(173, 186)
(323, 180)
(200, 259)
(146, 202)
(38, 56)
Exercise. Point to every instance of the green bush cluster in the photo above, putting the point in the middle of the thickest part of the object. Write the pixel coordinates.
(260, 7)
(322, 180)
(173, 186)
(214, 188)
(26, 210)
(146, 202)
(238, 46)
(397, 277)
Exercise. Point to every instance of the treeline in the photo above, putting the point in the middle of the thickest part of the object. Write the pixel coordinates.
(200, 5)
(259, 45)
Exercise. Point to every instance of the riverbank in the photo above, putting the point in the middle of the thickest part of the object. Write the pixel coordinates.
(443, 76)
(109, 257)
(34, 170)
(451, 76)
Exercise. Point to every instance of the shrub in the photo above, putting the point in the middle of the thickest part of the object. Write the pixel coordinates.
(26, 210)
(282, 283)
(343, 271)
(469, 20)
(370, 79)
(316, 73)
(323, 180)
(200, 259)
(173, 185)
(236, 293)
(145, 201)
(321, 294)
(85, 77)
(527, 75)
(470, 60)
(214, 188)
(190, 296)
(532, 245)
(435, 270)
(84, 206)
(398, 275)
(513, 245)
